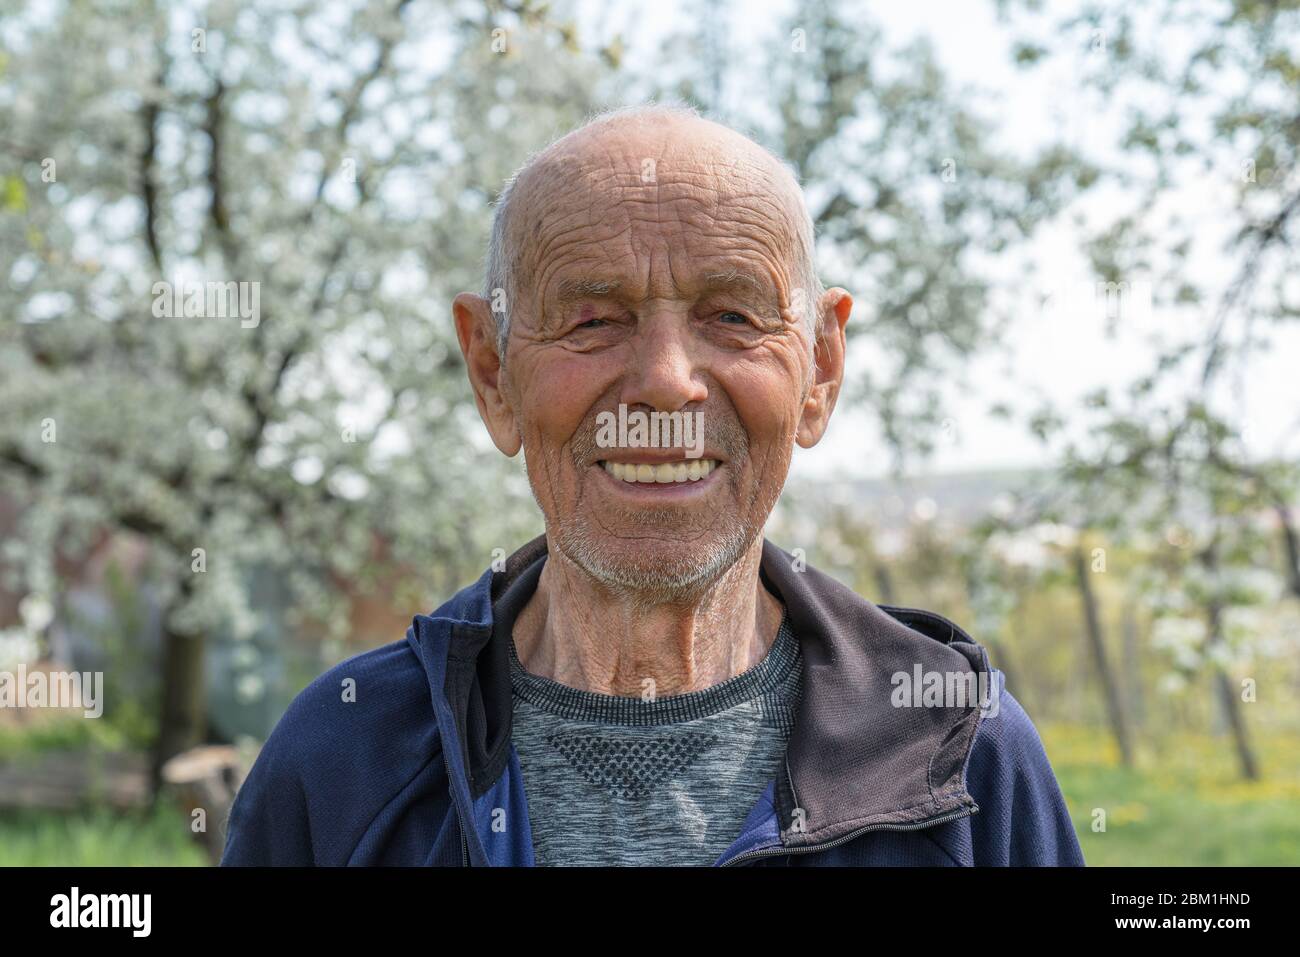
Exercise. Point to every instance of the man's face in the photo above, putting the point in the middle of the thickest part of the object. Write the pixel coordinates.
(670, 289)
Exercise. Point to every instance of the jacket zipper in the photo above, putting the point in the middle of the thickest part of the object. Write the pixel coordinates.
(460, 820)
(812, 848)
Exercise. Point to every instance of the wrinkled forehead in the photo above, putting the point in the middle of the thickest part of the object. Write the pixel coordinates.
(715, 195)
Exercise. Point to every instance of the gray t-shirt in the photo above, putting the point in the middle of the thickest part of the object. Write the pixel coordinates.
(614, 780)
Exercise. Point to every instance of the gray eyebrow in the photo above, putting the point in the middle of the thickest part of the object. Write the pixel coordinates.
(581, 288)
(733, 277)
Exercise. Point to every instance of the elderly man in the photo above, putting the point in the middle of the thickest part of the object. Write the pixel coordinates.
(652, 682)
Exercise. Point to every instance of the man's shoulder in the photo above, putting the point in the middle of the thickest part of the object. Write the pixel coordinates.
(1023, 816)
(375, 702)
(1008, 727)
(352, 739)
(367, 724)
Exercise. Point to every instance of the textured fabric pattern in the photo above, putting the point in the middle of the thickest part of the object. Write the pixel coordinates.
(617, 780)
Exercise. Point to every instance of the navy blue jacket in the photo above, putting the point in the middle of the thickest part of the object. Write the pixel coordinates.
(402, 755)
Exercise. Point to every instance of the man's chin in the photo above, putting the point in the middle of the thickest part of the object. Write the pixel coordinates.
(658, 568)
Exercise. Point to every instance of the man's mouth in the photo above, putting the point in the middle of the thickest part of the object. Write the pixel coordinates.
(664, 473)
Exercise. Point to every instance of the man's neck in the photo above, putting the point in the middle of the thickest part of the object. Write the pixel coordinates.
(583, 634)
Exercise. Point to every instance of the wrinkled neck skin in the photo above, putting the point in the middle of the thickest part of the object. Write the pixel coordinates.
(581, 633)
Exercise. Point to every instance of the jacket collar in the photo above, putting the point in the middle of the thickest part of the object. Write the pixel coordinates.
(854, 761)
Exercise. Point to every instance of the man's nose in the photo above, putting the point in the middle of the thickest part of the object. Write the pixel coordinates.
(663, 367)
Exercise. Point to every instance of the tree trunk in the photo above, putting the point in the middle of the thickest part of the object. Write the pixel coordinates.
(1031, 693)
(1132, 658)
(182, 720)
(996, 644)
(1092, 629)
(884, 582)
(1290, 547)
(1229, 703)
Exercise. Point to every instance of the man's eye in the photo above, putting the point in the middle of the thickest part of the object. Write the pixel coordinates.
(589, 324)
(733, 317)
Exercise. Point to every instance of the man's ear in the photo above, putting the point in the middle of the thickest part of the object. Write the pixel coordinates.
(828, 375)
(477, 331)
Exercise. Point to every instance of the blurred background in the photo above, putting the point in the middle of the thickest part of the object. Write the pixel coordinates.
(1072, 423)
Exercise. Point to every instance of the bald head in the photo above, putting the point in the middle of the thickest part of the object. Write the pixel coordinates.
(646, 160)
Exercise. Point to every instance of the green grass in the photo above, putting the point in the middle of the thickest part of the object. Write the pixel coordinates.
(20, 743)
(93, 836)
(1184, 805)
(97, 837)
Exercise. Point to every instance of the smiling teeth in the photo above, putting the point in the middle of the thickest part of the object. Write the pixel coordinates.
(664, 474)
